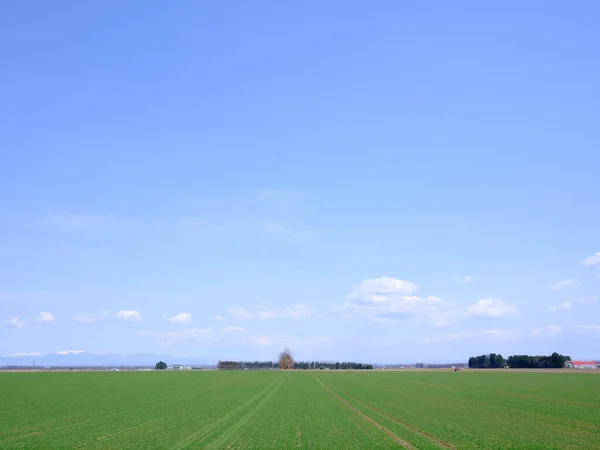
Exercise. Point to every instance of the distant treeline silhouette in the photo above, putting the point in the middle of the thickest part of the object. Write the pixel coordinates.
(494, 361)
(298, 365)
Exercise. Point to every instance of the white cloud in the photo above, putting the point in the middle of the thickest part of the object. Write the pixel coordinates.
(494, 334)
(564, 306)
(466, 279)
(45, 317)
(91, 317)
(15, 322)
(296, 311)
(70, 352)
(217, 318)
(375, 287)
(129, 316)
(284, 340)
(563, 284)
(387, 300)
(289, 312)
(491, 307)
(590, 299)
(22, 355)
(170, 338)
(592, 260)
(239, 313)
(234, 329)
(181, 318)
(547, 330)
(262, 341)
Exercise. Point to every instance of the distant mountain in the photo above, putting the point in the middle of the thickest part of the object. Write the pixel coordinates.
(75, 358)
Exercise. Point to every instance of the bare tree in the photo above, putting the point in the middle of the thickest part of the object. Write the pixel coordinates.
(286, 362)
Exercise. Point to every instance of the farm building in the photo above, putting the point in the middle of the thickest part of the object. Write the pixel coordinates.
(581, 364)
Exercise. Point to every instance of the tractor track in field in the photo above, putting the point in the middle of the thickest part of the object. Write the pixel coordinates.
(125, 430)
(245, 418)
(60, 424)
(377, 425)
(204, 433)
(431, 437)
(64, 421)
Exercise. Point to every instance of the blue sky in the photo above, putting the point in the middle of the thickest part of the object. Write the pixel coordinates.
(368, 181)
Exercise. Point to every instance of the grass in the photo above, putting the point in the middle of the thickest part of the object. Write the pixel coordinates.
(264, 409)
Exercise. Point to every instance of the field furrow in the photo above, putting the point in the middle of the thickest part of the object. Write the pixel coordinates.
(324, 409)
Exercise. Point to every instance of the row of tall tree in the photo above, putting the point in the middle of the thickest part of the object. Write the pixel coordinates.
(331, 365)
(494, 361)
(554, 361)
(296, 365)
(491, 361)
(285, 361)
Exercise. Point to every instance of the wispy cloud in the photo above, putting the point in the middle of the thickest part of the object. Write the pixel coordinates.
(389, 299)
(181, 318)
(593, 260)
(587, 328)
(92, 317)
(234, 329)
(217, 318)
(45, 317)
(498, 334)
(262, 341)
(289, 312)
(129, 316)
(286, 340)
(491, 307)
(170, 338)
(15, 322)
(563, 306)
(466, 279)
(546, 330)
(563, 284)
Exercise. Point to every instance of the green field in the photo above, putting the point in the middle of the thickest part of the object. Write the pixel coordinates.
(412, 409)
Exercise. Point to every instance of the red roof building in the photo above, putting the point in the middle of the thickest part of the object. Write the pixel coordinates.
(582, 364)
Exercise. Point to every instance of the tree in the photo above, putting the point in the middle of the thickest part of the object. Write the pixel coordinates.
(491, 361)
(286, 362)
(554, 361)
(160, 366)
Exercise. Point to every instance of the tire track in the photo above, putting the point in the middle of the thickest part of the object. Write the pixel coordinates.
(377, 425)
(219, 443)
(431, 437)
(125, 430)
(59, 424)
(62, 423)
(206, 431)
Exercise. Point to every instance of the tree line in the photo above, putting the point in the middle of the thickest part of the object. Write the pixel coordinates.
(331, 365)
(296, 365)
(494, 361)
